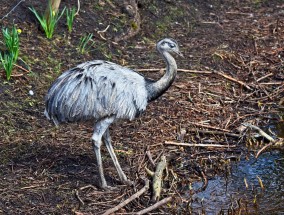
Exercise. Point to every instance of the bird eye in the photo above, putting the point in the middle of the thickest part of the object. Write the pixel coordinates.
(172, 45)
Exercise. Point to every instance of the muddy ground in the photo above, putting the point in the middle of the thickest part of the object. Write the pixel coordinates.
(232, 73)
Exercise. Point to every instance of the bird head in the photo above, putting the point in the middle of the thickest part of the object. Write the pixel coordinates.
(169, 45)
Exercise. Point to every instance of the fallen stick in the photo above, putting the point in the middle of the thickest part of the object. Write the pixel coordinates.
(264, 77)
(149, 172)
(208, 126)
(273, 142)
(200, 72)
(272, 83)
(276, 92)
(148, 153)
(78, 8)
(263, 149)
(78, 197)
(12, 9)
(20, 67)
(155, 206)
(131, 198)
(233, 79)
(157, 179)
(215, 132)
(205, 181)
(199, 145)
(260, 131)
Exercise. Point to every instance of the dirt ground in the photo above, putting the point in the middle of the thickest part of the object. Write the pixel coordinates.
(232, 73)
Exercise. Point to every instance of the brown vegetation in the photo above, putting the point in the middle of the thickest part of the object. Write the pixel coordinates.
(232, 74)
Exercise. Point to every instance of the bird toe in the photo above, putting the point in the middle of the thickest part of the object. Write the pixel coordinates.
(107, 188)
(128, 182)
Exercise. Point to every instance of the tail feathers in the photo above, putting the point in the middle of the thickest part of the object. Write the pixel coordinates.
(55, 121)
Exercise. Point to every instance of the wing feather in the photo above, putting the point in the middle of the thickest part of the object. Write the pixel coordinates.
(94, 90)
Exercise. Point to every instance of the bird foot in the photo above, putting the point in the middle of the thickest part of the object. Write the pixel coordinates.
(107, 188)
(128, 182)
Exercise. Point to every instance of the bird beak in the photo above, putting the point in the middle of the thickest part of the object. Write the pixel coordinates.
(179, 54)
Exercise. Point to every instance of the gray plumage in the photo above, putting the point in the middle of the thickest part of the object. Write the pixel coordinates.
(94, 90)
(103, 92)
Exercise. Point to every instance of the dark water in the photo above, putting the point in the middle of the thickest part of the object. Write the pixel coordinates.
(277, 128)
(232, 196)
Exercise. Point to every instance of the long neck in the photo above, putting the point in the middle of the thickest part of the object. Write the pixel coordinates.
(157, 88)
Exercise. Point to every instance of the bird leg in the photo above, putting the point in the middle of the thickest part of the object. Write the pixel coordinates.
(100, 128)
(107, 140)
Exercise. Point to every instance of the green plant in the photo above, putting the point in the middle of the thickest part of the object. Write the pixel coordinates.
(49, 24)
(11, 41)
(70, 15)
(7, 60)
(84, 41)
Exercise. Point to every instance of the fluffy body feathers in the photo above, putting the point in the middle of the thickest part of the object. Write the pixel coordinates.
(95, 90)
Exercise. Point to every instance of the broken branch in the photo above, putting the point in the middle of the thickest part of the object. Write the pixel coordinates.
(215, 132)
(208, 126)
(131, 198)
(233, 79)
(157, 178)
(260, 131)
(199, 145)
(155, 206)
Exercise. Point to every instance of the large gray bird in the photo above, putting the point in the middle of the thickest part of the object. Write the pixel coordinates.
(104, 92)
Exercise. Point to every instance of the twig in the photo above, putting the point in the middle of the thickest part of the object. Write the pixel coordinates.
(208, 126)
(78, 9)
(199, 145)
(131, 198)
(263, 149)
(88, 186)
(148, 153)
(204, 178)
(275, 92)
(17, 75)
(149, 172)
(272, 83)
(238, 13)
(201, 72)
(215, 132)
(263, 77)
(205, 181)
(30, 187)
(233, 79)
(78, 197)
(111, 4)
(157, 179)
(12, 9)
(22, 68)
(273, 142)
(260, 131)
(103, 31)
(155, 206)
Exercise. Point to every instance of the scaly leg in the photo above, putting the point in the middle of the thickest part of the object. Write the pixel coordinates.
(107, 140)
(100, 128)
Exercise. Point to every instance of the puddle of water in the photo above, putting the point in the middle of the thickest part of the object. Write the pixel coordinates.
(230, 196)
